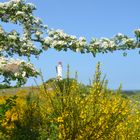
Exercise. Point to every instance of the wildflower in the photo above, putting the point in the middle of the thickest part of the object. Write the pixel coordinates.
(60, 119)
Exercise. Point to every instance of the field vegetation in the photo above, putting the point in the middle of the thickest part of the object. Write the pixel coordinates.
(66, 110)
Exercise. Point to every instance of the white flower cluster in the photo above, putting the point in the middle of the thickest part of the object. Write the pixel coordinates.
(16, 66)
(17, 69)
(62, 41)
(20, 12)
(11, 43)
(17, 11)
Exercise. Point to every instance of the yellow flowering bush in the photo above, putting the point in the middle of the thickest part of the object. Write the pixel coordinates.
(61, 110)
(100, 114)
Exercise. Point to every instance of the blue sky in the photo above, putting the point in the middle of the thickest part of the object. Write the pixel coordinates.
(91, 18)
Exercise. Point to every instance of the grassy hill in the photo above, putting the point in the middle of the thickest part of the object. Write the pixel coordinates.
(35, 89)
(13, 91)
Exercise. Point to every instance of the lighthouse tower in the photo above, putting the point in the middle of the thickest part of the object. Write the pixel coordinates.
(59, 70)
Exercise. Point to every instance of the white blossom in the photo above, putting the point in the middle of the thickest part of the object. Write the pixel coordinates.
(61, 43)
(20, 13)
(12, 37)
(111, 44)
(77, 49)
(16, 74)
(38, 33)
(16, 1)
(1, 5)
(54, 43)
(48, 40)
(73, 37)
(82, 43)
(51, 32)
(1, 31)
(37, 21)
(23, 73)
(104, 45)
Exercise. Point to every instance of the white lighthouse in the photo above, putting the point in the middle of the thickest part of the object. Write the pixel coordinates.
(59, 70)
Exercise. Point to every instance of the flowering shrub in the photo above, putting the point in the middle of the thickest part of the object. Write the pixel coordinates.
(33, 30)
(62, 41)
(66, 112)
(13, 42)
